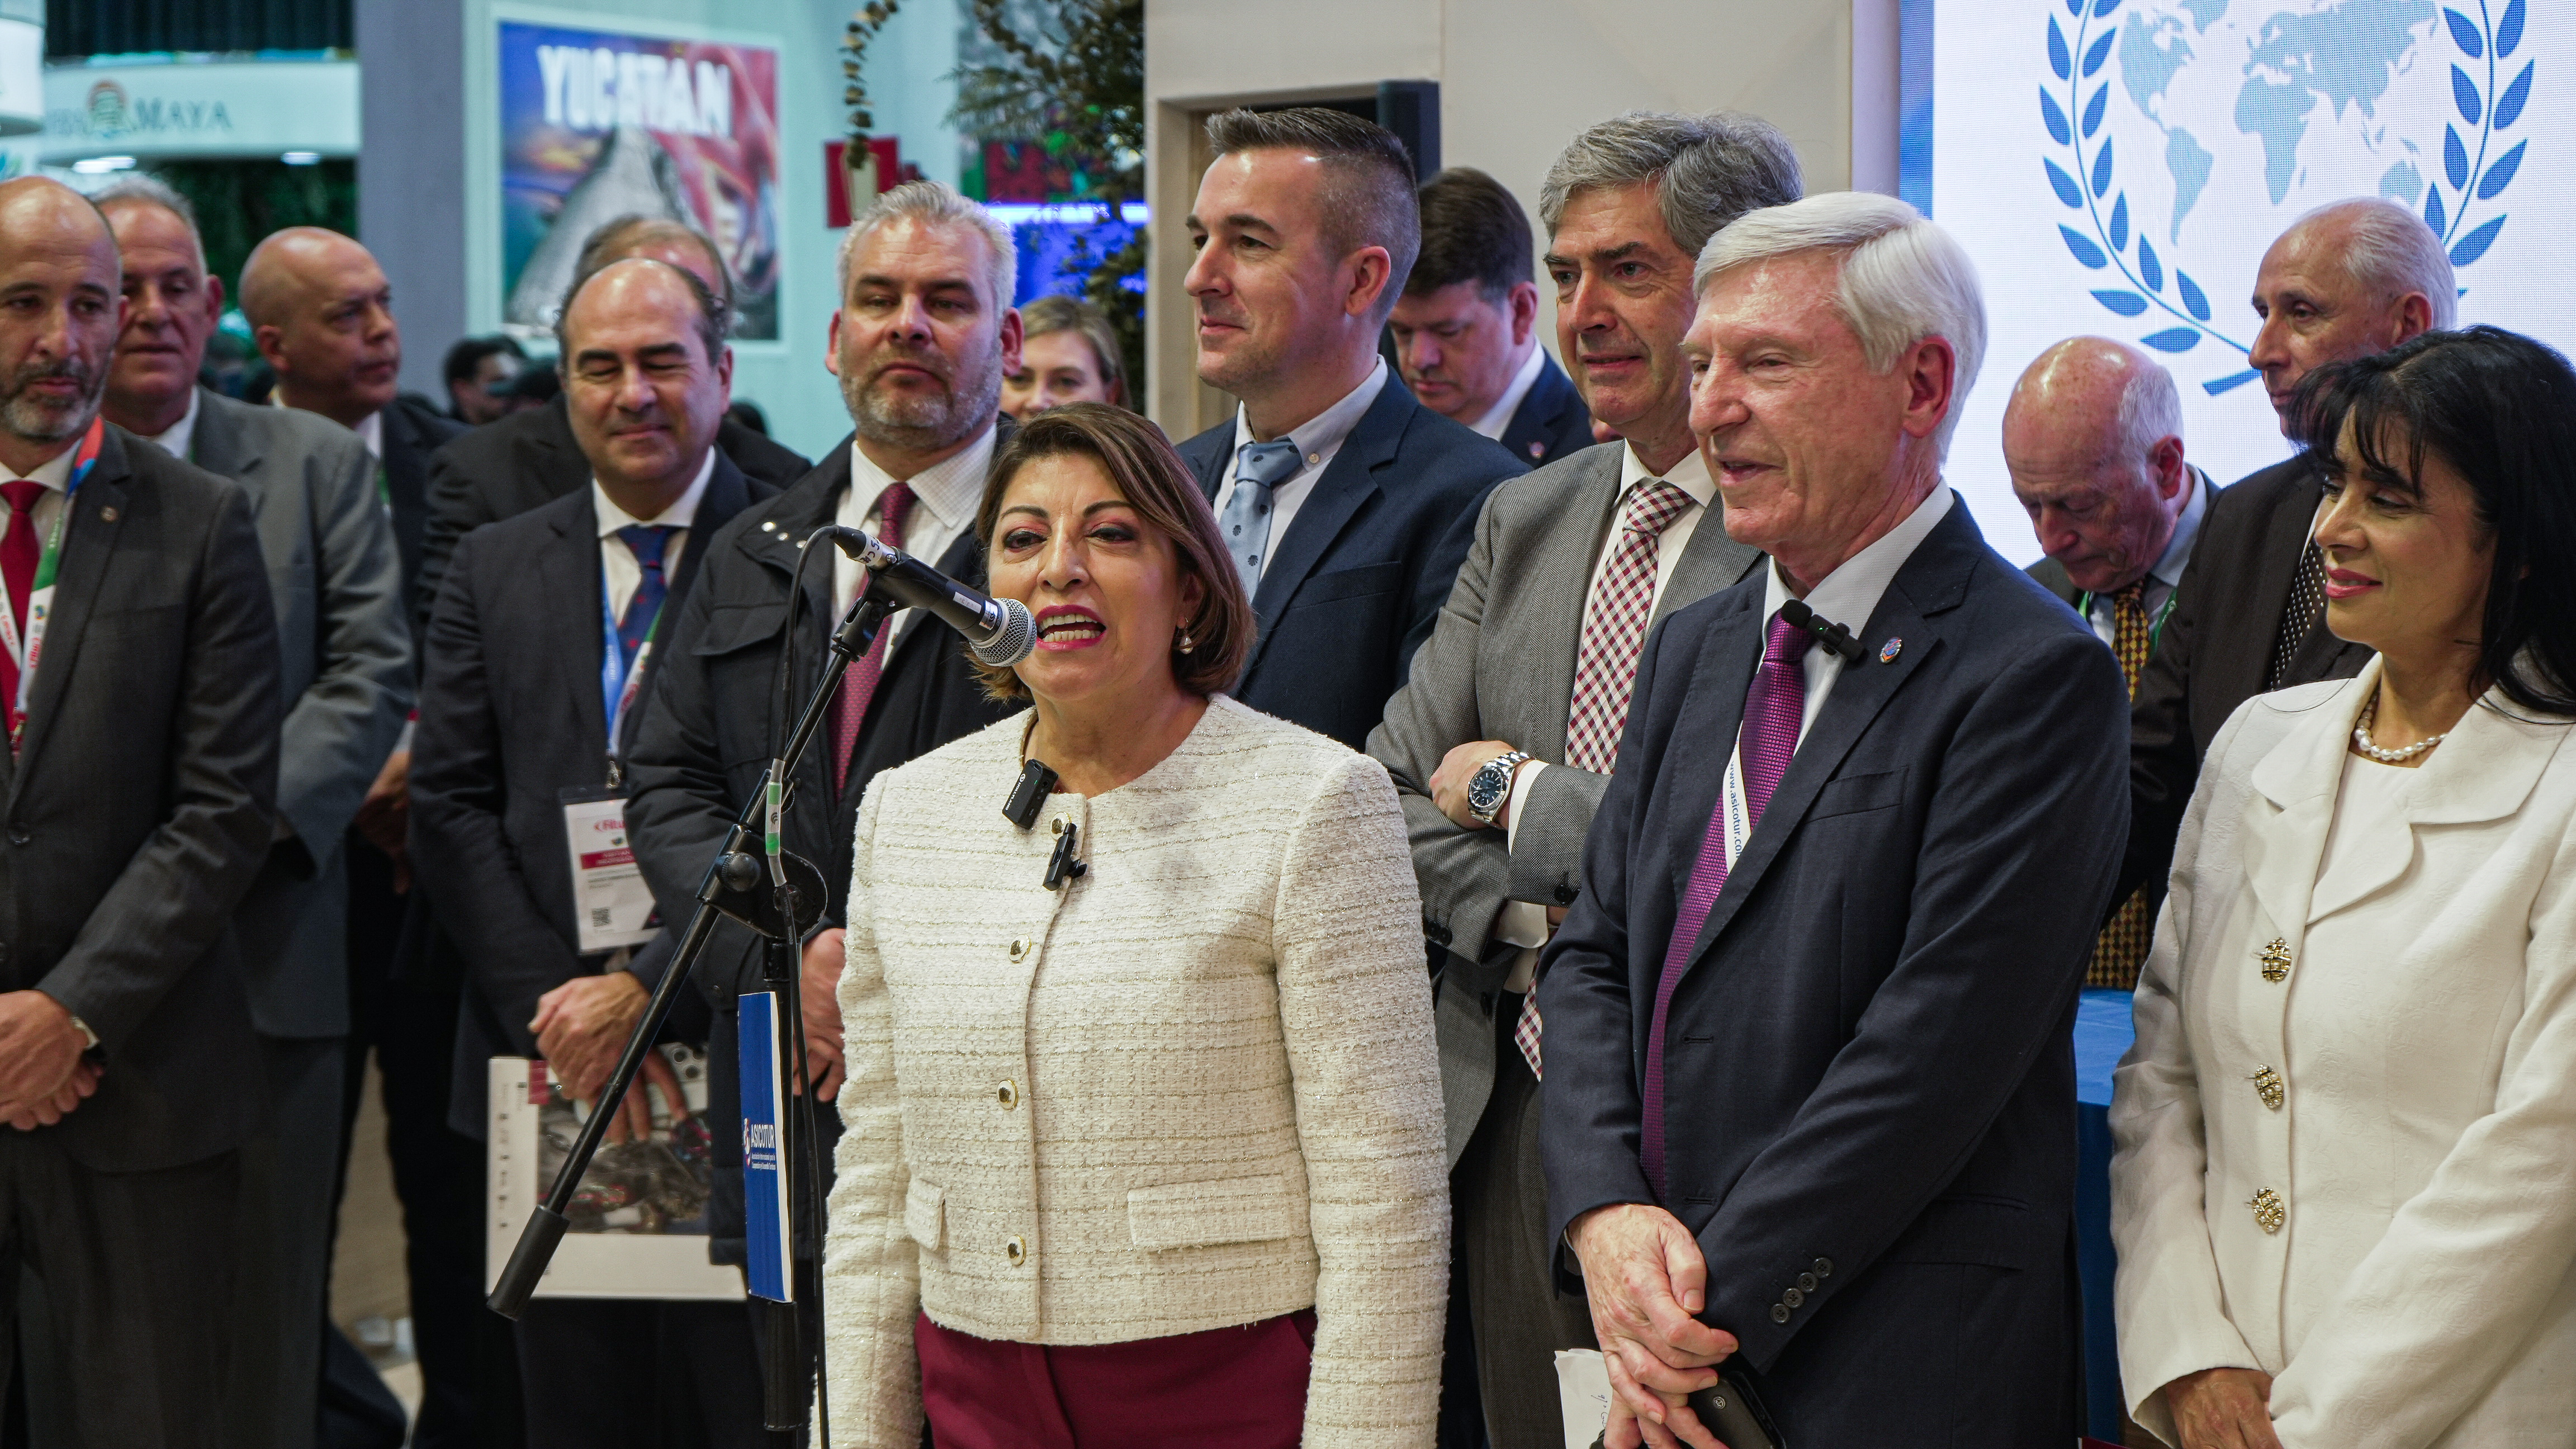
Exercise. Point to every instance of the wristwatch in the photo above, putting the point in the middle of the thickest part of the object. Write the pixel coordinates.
(1491, 785)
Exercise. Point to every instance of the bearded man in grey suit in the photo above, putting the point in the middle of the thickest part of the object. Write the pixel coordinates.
(1502, 740)
(335, 579)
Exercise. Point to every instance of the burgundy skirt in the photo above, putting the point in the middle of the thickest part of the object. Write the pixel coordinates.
(1241, 1387)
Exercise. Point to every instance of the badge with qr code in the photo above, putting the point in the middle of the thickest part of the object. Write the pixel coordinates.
(611, 905)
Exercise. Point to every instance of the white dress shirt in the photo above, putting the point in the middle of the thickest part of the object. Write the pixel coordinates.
(1318, 440)
(180, 435)
(2167, 573)
(1498, 420)
(370, 429)
(617, 562)
(1850, 594)
(1524, 923)
(945, 497)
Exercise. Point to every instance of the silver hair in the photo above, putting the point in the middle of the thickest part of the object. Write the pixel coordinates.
(935, 203)
(2388, 249)
(1902, 279)
(2150, 408)
(1707, 170)
(148, 190)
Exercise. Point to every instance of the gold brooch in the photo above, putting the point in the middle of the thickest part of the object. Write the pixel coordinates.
(2275, 959)
(2267, 1085)
(2269, 1211)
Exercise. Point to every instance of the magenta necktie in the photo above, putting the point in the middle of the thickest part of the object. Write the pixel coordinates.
(1773, 708)
(859, 684)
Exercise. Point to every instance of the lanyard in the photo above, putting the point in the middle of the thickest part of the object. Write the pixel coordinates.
(619, 681)
(2155, 627)
(26, 647)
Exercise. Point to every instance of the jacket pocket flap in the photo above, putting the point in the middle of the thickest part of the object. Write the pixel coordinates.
(1376, 578)
(739, 626)
(1856, 793)
(1199, 1214)
(925, 1214)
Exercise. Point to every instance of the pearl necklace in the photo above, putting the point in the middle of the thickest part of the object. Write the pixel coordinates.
(2398, 756)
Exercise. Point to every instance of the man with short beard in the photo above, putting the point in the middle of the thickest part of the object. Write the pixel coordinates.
(923, 339)
(139, 671)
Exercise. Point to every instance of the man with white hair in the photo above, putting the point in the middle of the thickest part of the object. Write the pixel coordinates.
(2347, 280)
(1810, 1109)
(2093, 440)
(924, 337)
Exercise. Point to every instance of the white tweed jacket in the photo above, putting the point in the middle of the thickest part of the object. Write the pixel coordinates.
(1193, 1089)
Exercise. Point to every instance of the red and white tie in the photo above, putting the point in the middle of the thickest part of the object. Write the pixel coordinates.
(1605, 665)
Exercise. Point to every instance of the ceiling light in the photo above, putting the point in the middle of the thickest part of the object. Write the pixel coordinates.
(100, 165)
(302, 158)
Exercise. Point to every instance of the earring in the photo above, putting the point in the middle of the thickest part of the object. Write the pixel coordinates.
(1185, 645)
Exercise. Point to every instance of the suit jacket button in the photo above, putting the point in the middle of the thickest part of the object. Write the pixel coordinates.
(1794, 1298)
(1824, 1267)
(1779, 1313)
(1008, 1094)
(1017, 1250)
(1019, 949)
(1807, 1282)
(1565, 895)
(18, 835)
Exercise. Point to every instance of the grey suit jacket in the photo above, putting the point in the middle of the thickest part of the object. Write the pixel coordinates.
(1500, 666)
(344, 647)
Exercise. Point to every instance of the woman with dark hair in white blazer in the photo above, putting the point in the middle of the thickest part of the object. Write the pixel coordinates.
(1143, 1121)
(2345, 1190)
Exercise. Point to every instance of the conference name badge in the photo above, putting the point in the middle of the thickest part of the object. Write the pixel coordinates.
(612, 907)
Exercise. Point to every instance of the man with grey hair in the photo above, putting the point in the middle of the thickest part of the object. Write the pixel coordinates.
(1346, 505)
(2093, 440)
(336, 581)
(1501, 743)
(2347, 280)
(921, 342)
(1810, 1115)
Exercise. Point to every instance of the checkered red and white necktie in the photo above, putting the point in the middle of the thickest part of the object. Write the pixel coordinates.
(1605, 663)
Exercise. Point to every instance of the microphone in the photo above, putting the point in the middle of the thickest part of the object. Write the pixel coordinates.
(1828, 633)
(1000, 632)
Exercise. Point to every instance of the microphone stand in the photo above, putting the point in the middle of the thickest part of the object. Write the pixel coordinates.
(780, 914)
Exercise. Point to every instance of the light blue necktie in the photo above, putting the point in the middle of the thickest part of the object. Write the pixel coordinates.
(1258, 468)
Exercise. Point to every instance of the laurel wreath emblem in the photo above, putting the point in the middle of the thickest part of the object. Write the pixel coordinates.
(2074, 112)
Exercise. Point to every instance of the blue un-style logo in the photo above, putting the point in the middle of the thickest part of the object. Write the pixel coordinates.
(2479, 160)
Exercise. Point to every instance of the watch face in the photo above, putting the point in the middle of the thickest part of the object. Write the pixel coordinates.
(1485, 790)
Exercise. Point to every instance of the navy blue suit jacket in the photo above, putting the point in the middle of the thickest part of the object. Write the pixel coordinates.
(1869, 1079)
(1357, 583)
(1551, 421)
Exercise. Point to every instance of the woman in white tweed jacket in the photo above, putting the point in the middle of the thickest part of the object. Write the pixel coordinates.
(1149, 1154)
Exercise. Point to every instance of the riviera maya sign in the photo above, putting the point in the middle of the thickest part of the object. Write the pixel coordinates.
(111, 113)
(2285, 83)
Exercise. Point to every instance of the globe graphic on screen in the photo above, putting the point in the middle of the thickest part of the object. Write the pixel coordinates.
(2185, 134)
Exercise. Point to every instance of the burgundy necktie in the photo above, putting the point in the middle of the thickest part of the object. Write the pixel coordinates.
(859, 685)
(1773, 709)
(18, 554)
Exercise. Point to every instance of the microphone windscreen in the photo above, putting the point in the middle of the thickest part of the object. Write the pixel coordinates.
(1016, 640)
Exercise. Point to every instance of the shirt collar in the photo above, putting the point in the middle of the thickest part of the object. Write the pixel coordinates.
(952, 488)
(1326, 430)
(1690, 475)
(1498, 420)
(2169, 564)
(174, 439)
(370, 429)
(55, 472)
(1850, 594)
(679, 515)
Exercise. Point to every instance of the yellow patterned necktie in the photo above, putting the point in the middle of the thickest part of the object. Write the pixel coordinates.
(2123, 944)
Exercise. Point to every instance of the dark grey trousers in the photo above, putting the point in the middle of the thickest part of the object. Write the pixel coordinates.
(1499, 1196)
(290, 1175)
(117, 1284)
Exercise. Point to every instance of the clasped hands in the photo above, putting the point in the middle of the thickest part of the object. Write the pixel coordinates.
(581, 1029)
(1645, 1279)
(45, 1070)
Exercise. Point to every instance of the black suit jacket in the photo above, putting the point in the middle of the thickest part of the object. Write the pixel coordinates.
(703, 748)
(510, 716)
(1869, 1079)
(530, 459)
(1551, 421)
(413, 431)
(1356, 585)
(2215, 649)
(140, 806)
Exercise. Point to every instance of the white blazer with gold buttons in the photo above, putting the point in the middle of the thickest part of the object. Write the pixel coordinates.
(2358, 1174)
(1194, 1088)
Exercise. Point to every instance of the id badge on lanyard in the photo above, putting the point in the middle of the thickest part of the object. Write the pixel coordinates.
(26, 643)
(611, 904)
